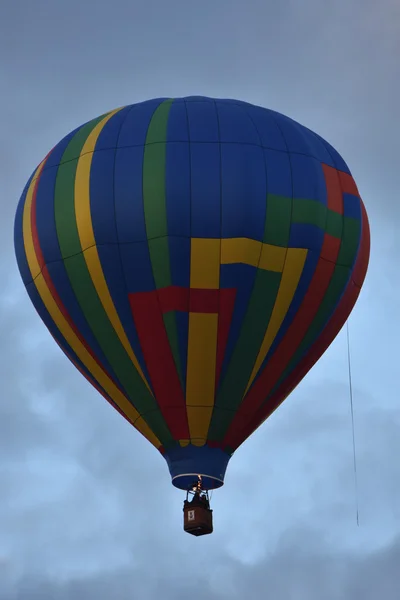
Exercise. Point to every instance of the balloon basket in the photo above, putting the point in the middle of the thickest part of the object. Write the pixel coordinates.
(197, 514)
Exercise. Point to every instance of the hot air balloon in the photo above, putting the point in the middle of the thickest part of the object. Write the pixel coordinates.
(193, 258)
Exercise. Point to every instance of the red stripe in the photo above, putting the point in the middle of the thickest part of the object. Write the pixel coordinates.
(49, 282)
(348, 184)
(333, 188)
(330, 248)
(361, 266)
(327, 336)
(159, 360)
(193, 300)
(204, 301)
(174, 298)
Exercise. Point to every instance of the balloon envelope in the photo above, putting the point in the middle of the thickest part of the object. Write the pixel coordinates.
(193, 258)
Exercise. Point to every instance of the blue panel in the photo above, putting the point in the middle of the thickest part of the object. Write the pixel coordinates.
(206, 191)
(351, 206)
(45, 218)
(185, 464)
(235, 125)
(240, 277)
(279, 174)
(102, 197)
(48, 321)
(303, 235)
(177, 128)
(177, 188)
(308, 178)
(268, 131)
(134, 129)
(137, 269)
(244, 191)
(108, 137)
(128, 195)
(61, 282)
(111, 264)
(58, 151)
(179, 254)
(19, 238)
(203, 121)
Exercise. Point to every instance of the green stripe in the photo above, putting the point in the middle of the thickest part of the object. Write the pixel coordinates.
(155, 211)
(309, 212)
(278, 220)
(75, 146)
(312, 212)
(280, 216)
(86, 294)
(350, 241)
(334, 224)
(245, 353)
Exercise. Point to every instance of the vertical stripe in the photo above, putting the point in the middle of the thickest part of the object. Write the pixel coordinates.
(155, 210)
(164, 360)
(177, 192)
(202, 343)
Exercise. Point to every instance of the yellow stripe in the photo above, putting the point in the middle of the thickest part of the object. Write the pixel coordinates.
(240, 250)
(204, 263)
(88, 242)
(251, 252)
(272, 258)
(200, 387)
(293, 268)
(202, 342)
(65, 329)
(26, 224)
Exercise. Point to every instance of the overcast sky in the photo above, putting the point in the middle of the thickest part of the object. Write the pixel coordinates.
(87, 511)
